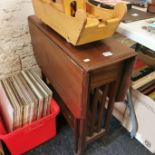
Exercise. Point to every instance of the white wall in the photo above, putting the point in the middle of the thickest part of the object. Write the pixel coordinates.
(15, 45)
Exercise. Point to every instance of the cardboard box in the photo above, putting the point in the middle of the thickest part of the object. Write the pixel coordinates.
(145, 114)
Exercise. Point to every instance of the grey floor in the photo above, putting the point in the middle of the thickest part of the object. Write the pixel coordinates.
(118, 143)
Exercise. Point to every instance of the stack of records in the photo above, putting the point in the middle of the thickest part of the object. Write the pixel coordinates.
(143, 79)
(24, 98)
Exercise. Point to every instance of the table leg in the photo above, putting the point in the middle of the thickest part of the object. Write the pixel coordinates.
(112, 96)
(76, 135)
(80, 137)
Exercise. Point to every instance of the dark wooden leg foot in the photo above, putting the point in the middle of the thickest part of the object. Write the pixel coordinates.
(80, 137)
(76, 135)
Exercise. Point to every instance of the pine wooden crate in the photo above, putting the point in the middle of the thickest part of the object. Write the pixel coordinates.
(78, 21)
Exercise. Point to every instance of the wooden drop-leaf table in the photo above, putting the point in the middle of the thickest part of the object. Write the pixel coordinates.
(85, 77)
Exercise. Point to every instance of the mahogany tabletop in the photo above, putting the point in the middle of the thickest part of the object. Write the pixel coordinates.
(90, 56)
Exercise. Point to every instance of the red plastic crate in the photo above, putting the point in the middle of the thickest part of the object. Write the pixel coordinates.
(30, 136)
